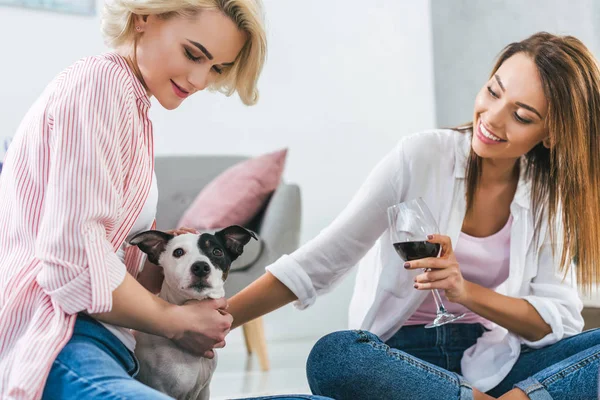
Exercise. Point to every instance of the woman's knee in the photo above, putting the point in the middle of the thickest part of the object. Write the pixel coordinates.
(336, 344)
(333, 356)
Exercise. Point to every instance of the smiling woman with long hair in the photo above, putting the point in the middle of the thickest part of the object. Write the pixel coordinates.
(516, 196)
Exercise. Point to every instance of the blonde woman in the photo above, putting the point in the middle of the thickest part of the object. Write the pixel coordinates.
(78, 181)
(516, 195)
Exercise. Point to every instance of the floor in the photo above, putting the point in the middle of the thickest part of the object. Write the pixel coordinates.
(239, 376)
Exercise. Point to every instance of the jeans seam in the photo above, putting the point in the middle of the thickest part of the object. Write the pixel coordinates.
(444, 350)
(410, 360)
(295, 396)
(534, 387)
(91, 384)
(135, 369)
(569, 370)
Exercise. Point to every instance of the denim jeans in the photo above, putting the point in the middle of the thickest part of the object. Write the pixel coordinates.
(419, 363)
(289, 397)
(96, 365)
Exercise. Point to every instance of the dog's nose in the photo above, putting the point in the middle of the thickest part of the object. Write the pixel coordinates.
(200, 269)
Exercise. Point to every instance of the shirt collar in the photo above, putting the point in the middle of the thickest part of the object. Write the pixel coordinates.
(138, 87)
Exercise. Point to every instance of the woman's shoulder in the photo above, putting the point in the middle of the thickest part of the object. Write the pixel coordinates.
(433, 144)
(101, 74)
(431, 137)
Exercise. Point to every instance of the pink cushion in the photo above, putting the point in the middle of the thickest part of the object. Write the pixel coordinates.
(237, 194)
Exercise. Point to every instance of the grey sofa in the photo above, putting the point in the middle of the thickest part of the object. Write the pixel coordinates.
(180, 179)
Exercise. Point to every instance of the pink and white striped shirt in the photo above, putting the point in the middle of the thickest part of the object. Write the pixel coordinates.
(75, 179)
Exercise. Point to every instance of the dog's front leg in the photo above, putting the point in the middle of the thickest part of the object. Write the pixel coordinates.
(207, 369)
(202, 391)
(205, 393)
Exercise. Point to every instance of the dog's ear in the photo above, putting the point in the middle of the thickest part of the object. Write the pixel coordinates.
(152, 243)
(235, 238)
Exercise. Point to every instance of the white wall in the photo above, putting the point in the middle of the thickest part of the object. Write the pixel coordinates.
(344, 80)
(473, 35)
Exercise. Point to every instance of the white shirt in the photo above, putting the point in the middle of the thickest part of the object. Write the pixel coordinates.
(484, 261)
(143, 223)
(431, 165)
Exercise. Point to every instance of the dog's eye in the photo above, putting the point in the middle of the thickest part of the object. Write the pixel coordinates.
(178, 253)
(218, 253)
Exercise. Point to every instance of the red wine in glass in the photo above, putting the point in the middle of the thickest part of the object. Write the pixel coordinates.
(416, 250)
(410, 223)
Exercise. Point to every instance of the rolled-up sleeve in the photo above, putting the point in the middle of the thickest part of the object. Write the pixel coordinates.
(319, 264)
(555, 297)
(84, 191)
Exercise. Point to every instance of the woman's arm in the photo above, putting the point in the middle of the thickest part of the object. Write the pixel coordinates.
(516, 315)
(317, 265)
(262, 296)
(136, 308)
(197, 326)
(84, 190)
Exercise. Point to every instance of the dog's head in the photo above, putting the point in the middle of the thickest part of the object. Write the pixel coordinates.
(195, 265)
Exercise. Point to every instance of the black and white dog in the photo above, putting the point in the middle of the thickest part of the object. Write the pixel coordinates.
(195, 267)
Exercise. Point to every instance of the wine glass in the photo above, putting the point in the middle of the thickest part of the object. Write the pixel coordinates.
(410, 223)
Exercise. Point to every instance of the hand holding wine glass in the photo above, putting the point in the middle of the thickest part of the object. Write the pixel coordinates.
(442, 273)
(411, 225)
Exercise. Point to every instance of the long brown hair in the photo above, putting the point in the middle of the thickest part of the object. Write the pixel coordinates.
(566, 177)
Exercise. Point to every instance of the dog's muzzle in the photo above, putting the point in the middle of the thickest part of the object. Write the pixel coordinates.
(200, 269)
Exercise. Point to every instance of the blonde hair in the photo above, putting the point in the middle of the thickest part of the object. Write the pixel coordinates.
(119, 30)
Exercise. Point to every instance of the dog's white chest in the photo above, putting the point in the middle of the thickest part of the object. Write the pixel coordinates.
(166, 368)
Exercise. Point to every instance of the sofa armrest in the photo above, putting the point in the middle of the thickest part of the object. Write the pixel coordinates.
(251, 254)
(280, 225)
(279, 231)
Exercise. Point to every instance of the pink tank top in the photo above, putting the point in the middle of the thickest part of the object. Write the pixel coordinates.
(484, 261)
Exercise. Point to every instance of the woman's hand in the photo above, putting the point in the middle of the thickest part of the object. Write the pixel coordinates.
(200, 326)
(442, 273)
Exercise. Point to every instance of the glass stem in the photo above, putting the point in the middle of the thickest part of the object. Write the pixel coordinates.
(438, 302)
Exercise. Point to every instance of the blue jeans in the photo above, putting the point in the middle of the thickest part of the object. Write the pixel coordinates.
(290, 397)
(96, 365)
(419, 363)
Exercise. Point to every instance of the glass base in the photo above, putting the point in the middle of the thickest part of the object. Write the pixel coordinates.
(443, 318)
